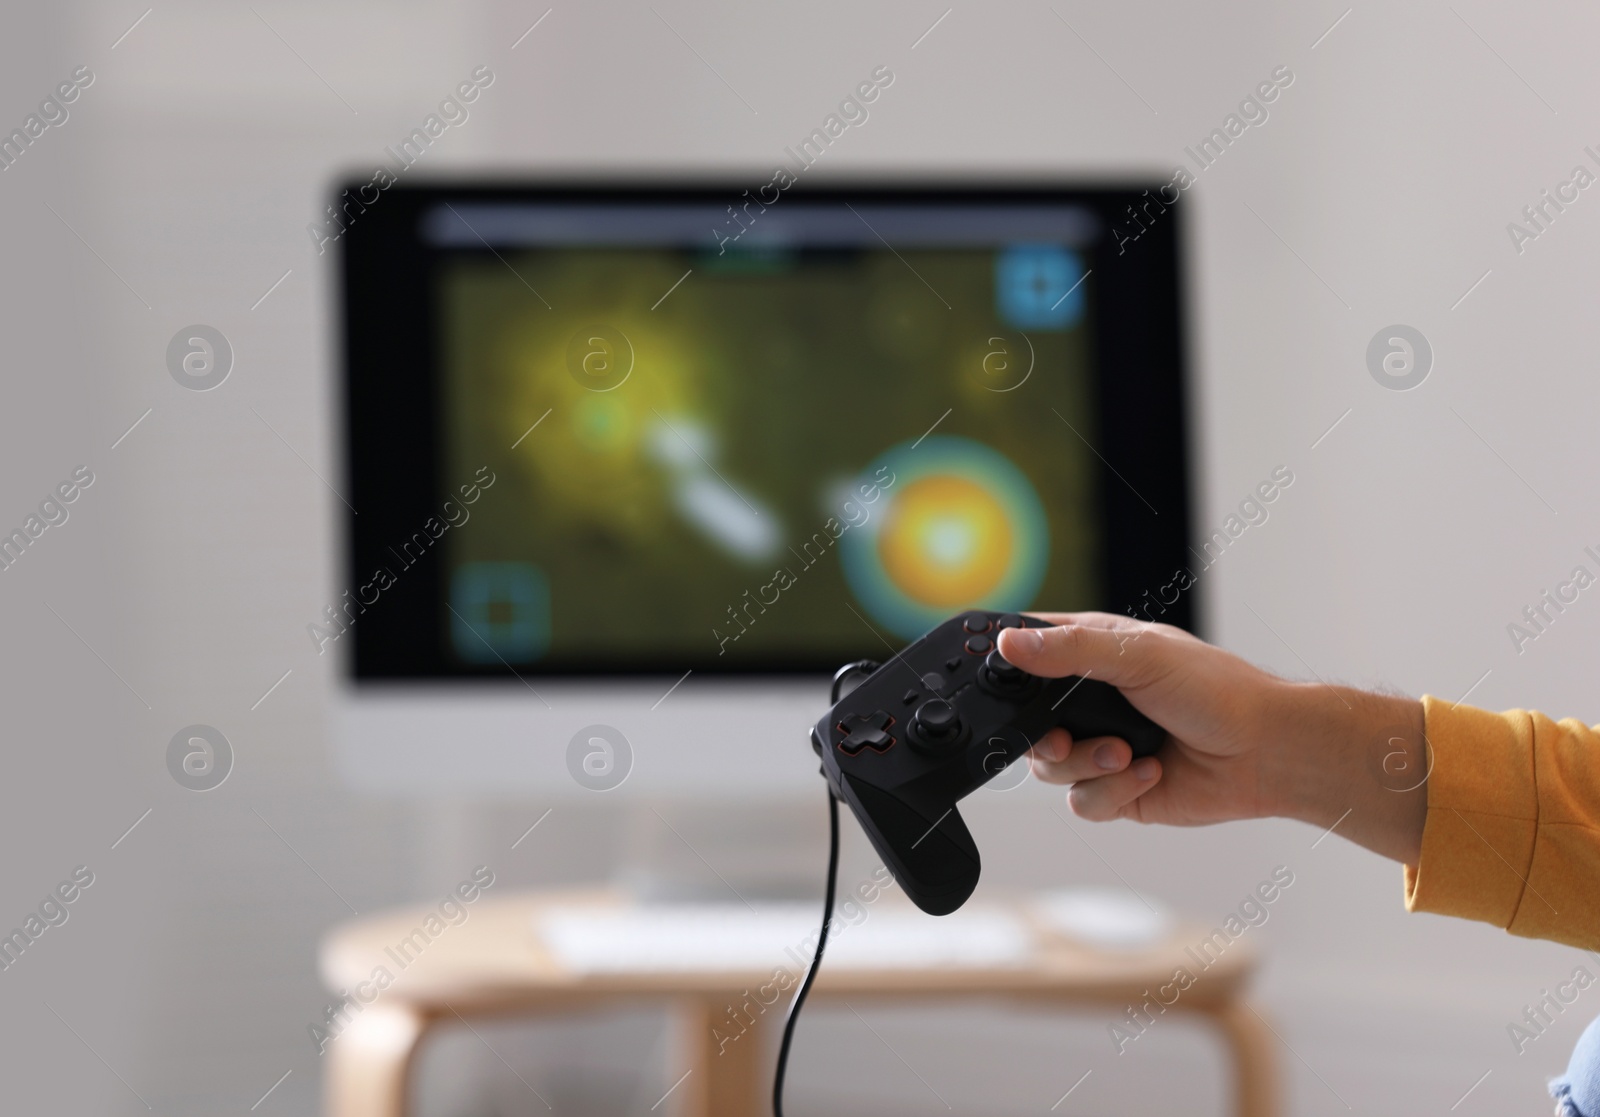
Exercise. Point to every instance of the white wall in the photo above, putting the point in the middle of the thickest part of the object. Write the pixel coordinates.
(1414, 532)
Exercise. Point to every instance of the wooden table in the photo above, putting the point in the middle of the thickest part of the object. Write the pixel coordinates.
(494, 965)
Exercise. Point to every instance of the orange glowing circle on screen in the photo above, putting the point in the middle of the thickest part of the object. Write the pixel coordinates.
(946, 541)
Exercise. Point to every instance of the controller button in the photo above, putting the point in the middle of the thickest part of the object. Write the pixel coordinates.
(937, 720)
(866, 731)
(979, 645)
(953, 663)
(976, 622)
(909, 697)
(934, 682)
(1001, 668)
(1010, 620)
(866, 739)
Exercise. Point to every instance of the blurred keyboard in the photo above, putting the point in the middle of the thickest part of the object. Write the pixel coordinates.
(717, 937)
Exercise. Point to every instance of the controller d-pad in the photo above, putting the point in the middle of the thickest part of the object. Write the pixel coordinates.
(866, 731)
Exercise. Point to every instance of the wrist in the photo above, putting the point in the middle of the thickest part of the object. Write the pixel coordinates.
(1298, 742)
(1348, 758)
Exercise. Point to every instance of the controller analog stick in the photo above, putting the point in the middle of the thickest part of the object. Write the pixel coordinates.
(1003, 670)
(937, 720)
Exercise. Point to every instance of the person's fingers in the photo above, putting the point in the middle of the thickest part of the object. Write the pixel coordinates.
(1080, 760)
(1117, 621)
(1091, 619)
(1105, 798)
(1054, 745)
(1130, 656)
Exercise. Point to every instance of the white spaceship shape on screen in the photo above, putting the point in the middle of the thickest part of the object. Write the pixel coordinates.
(730, 517)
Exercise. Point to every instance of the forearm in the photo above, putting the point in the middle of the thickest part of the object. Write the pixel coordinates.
(1350, 760)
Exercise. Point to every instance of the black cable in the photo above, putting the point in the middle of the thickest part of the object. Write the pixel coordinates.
(850, 672)
(816, 959)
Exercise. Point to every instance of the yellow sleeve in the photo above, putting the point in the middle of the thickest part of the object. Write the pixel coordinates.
(1512, 835)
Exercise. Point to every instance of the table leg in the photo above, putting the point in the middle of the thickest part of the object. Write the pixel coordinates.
(369, 1062)
(1255, 1071)
(728, 1075)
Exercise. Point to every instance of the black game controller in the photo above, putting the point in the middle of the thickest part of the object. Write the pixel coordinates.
(937, 722)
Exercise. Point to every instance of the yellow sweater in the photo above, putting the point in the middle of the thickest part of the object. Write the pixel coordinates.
(1513, 829)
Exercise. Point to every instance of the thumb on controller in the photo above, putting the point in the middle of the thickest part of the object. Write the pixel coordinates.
(1127, 657)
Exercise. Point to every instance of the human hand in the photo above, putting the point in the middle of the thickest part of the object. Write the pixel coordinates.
(1242, 743)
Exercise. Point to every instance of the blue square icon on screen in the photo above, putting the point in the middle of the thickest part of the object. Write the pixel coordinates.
(1039, 286)
(500, 612)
